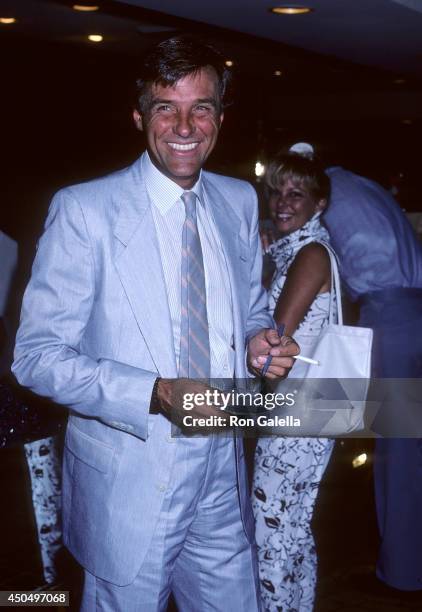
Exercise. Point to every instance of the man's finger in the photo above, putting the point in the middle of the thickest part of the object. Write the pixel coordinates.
(281, 362)
(287, 340)
(278, 352)
(272, 337)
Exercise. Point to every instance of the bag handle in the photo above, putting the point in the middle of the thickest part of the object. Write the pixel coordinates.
(335, 286)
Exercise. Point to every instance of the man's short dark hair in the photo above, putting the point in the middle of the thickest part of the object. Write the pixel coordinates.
(175, 58)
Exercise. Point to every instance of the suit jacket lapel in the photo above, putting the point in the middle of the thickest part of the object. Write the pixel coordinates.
(139, 266)
(237, 256)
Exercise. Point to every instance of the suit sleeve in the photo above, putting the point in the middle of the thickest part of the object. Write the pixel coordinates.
(56, 309)
(258, 314)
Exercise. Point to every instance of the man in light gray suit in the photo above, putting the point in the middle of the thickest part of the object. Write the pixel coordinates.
(103, 332)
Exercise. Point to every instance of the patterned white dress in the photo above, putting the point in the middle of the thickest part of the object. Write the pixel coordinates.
(288, 470)
(44, 465)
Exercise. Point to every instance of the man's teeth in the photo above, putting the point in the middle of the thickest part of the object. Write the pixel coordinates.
(283, 216)
(183, 147)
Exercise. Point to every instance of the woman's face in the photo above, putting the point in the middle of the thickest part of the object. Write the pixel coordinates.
(292, 205)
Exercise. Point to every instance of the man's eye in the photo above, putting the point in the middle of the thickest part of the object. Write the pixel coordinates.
(163, 108)
(203, 108)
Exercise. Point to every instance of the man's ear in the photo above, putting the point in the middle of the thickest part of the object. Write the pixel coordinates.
(137, 117)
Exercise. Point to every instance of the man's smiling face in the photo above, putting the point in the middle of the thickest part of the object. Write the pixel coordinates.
(182, 124)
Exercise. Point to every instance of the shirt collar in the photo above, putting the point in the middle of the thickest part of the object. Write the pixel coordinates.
(163, 192)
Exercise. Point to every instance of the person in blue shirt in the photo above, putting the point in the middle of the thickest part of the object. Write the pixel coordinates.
(381, 268)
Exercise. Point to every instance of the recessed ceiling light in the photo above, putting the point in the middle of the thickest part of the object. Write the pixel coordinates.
(229, 63)
(399, 81)
(95, 37)
(277, 73)
(7, 20)
(407, 121)
(291, 10)
(86, 8)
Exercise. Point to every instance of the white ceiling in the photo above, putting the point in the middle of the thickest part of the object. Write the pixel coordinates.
(381, 33)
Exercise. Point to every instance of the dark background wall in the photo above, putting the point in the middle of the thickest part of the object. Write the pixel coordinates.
(66, 117)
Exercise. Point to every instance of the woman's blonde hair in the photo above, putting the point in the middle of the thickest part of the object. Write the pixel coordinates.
(302, 170)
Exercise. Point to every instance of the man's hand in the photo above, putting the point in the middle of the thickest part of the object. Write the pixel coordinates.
(180, 397)
(268, 342)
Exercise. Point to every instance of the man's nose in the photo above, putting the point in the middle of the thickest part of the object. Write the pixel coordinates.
(184, 125)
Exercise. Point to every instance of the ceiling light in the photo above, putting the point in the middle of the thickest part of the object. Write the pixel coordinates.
(407, 121)
(399, 81)
(85, 8)
(291, 10)
(229, 63)
(95, 37)
(277, 73)
(7, 20)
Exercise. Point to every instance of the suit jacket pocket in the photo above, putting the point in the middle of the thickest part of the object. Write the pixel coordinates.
(88, 450)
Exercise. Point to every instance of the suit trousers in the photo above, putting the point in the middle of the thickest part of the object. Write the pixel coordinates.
(199, 550)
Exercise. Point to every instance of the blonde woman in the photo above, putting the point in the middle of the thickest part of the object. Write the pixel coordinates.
(288, 470)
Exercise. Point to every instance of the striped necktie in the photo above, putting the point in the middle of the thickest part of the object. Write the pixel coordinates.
(194, 336)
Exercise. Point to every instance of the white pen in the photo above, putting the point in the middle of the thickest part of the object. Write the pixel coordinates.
(306, 359)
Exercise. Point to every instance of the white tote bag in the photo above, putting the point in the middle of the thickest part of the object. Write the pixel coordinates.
(333, 407)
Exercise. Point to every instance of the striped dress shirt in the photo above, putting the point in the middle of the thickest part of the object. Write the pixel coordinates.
(169, 215)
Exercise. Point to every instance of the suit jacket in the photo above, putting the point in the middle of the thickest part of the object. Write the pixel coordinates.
(95, 332)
